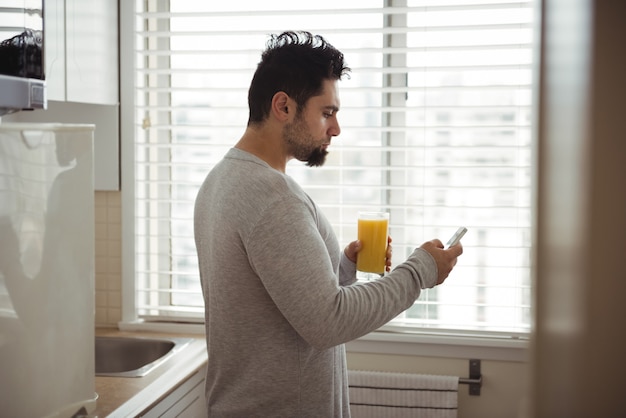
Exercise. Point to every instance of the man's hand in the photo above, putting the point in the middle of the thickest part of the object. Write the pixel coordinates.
(445, 259)
(354, 247)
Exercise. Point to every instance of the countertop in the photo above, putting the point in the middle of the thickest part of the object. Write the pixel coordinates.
(129, 396)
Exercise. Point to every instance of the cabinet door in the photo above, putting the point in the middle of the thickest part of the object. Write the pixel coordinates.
(91, 49)
(54, 46)
(186, 401)
(197, 408)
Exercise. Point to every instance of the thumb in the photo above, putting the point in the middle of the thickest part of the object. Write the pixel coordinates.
(352, 249)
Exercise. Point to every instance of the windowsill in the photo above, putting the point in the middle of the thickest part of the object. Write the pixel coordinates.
(439, 345)
(482, 347)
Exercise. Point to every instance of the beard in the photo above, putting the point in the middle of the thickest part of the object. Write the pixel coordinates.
(301, 144)
(317, 158)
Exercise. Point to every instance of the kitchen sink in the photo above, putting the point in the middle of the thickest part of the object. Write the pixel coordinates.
(134, 356)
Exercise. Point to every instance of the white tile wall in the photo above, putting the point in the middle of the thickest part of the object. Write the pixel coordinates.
(108, 214)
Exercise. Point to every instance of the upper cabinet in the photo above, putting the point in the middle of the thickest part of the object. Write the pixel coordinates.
(82, 78)
(81, 43)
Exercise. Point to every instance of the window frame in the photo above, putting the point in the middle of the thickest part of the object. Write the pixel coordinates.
(389, 339)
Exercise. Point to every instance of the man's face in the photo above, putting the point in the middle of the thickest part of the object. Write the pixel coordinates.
(308, 136)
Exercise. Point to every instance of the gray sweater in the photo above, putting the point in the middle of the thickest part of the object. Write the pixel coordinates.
(281, 297)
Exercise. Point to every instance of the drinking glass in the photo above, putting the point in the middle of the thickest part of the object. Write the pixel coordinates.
(373, 228)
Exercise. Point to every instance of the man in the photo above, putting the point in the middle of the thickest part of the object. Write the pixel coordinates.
(279, 293)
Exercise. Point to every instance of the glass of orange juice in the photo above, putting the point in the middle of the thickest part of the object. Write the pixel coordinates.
(373, 228)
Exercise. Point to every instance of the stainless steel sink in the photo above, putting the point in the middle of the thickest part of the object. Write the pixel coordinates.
(134, 356)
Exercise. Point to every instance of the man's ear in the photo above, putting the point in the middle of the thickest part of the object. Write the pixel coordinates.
(280, 105)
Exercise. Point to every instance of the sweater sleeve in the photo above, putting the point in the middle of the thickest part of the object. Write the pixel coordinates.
(347, 271)
(287, 253)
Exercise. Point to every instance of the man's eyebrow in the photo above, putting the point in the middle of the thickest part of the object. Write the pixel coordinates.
(332, 107)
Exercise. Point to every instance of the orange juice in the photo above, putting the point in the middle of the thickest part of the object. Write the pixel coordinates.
(372, 232)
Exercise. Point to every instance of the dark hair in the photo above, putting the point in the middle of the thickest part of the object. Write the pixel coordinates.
(296, 63)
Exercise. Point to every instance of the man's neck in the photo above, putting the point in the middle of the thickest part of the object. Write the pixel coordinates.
(265, 144)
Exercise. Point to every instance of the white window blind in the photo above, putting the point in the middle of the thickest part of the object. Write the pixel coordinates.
(436, 130)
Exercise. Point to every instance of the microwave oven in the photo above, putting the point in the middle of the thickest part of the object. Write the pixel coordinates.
(22, 67)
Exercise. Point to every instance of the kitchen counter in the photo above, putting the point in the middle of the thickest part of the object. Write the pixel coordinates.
(130, 396)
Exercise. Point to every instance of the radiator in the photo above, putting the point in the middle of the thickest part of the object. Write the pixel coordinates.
(402, 395)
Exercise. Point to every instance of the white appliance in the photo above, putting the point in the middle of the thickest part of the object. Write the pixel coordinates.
(47, 270)
(22, 67)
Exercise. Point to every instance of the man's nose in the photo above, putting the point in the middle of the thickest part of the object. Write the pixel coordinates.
(335, 129)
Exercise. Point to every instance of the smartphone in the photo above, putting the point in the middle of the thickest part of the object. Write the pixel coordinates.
(454, 240)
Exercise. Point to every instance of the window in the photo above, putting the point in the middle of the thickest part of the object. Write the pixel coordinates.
(436, 130)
